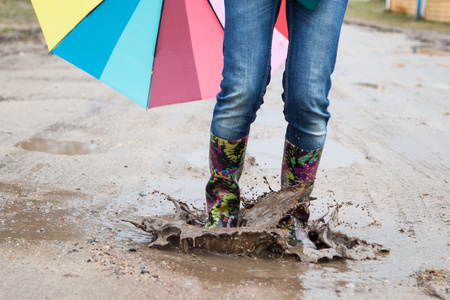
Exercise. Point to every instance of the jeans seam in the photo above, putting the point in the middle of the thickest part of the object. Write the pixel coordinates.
(286, 90)
(268, 65)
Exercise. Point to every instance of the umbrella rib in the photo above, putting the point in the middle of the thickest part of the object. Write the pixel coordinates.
(154, 55)
(217, 17)
(159, 29)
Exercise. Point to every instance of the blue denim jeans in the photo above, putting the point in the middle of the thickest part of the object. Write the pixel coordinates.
(313, 42)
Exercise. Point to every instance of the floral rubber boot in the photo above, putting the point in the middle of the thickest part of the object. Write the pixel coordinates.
(226, 160)
(299, 166)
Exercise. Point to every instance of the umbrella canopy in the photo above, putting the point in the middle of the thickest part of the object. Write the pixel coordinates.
(155, 52)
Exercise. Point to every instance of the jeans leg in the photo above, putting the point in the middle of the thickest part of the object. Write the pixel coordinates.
(247, 45)
(313, 43)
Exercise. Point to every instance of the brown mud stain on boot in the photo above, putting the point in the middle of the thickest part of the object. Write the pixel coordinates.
(257, 230)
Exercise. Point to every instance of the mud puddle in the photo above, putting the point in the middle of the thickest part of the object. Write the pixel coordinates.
(275, 276)
(32, 214)
(60, 147)
(283, 278)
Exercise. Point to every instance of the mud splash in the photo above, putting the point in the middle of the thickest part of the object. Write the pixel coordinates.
(257, 231)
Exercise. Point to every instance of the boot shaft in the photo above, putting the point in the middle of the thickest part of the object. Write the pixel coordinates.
(299, 165)
(226, 161)
(226, 158)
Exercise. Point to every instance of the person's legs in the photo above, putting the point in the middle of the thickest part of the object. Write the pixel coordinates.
(313, 43)
(247, 44)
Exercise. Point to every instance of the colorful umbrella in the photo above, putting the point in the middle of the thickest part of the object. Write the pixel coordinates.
(155, 52)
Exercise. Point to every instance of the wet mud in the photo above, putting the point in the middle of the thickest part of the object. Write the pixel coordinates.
(436, 282)
(34, 214)
(257, 231)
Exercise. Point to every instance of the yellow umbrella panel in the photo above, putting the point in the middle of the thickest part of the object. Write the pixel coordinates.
(57, 18)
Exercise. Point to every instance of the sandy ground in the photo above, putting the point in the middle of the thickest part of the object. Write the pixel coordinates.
(75, 156)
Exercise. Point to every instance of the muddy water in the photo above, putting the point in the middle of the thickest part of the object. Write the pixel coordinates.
(60, 147)
(34, 215)
(282, 276)
(286, 277)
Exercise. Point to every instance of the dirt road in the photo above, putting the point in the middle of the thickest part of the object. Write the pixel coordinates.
(76, 158)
